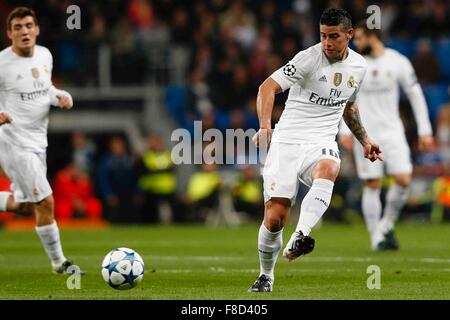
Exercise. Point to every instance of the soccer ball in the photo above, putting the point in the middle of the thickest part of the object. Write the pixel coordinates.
(123, 268)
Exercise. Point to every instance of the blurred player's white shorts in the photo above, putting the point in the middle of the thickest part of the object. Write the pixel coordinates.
(27, 172)
(396, 159)
(288, 164)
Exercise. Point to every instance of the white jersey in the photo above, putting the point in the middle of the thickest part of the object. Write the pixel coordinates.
(25, 93)
(378, 99)
(319, 91)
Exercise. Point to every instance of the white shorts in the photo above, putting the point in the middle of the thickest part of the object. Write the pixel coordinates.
(288, 164)
(27, 172)
(396, 159)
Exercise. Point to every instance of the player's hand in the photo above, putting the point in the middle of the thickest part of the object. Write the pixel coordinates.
(262, 137)
(65, 102)
(5, 117)
(372, 150)
(346, 141)
(425, 143)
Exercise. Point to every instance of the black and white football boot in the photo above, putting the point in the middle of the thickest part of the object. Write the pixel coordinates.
(298, 245)
(68, 268)
(262, 284)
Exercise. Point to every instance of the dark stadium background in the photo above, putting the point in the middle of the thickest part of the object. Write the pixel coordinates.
(143, 67)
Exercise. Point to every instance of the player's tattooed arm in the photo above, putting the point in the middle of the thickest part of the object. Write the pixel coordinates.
(353, 121)
(351, 117)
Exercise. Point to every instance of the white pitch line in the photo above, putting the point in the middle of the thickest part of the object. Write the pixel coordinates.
(434, 260)
(222, 270)
(197, 258)
(303, 259)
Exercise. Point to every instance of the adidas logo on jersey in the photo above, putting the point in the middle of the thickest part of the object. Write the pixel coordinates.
(19, 77)
(323, 78)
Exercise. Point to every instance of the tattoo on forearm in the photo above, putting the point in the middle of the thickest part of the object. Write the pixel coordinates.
(353, 121)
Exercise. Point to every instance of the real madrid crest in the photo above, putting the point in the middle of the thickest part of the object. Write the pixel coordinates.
(351, 82)
(35, 73)
(337, 79)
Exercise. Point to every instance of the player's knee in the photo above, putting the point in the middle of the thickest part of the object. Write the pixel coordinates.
(326, 169)
(276, 213)
(373, 183)
(48, 201)
(23, 209)
(403, 180)
(46, 205)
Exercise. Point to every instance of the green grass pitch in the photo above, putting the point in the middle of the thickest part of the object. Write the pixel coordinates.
(201, 262)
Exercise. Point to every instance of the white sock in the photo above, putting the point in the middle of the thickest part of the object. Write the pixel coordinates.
(314, 205)
(49, 236)
(269, 244)
(395, 200)
(371, 208)
(4, 201)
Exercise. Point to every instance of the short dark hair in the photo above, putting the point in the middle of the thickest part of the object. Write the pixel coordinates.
(335, 17)
(363, 25)
(20, 12)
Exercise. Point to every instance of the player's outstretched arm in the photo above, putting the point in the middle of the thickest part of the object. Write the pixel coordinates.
(61, 98)
(352, 119)
(264, 107)
(413, 90)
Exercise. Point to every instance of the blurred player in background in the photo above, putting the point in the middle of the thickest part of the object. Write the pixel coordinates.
(379, 108)
(323, 80)
(26, 94)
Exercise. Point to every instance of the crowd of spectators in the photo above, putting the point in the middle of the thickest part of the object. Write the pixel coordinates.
(224, 50)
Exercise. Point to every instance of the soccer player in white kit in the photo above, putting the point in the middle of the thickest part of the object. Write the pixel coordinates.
(379, 108)
(26, 94)
(323, 80)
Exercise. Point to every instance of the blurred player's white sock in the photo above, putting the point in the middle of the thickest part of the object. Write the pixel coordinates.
(314, 205)
(269, 244)
(395, 200)
(4, 201)
(371, 208)
(49, 235)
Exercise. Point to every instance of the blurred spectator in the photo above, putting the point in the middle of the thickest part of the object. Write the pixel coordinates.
(247, 192)
(426, 64)
(389, 11)
(441, 188)
(5, 185)
(258, 59)
(141, 14)
(157, 181)
(437, 22)
(117, 183)
(127, 61)
(268, 15)
(443, 133)
(74, 197)
(180, 28)
(202, 195)
(240, 22)
(199, 93)
(427, 163)
(83, 152)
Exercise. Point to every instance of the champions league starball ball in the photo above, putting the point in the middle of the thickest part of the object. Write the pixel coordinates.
(123, 268)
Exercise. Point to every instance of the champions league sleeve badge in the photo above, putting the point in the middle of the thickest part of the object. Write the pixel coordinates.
(289, 70)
